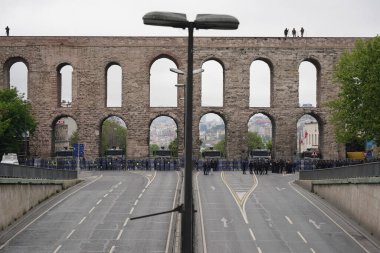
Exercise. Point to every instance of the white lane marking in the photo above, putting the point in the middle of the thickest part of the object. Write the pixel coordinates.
(120, 182)
(213, 188)
(130, 212)
(140, 196)
(105, 195)
(312, 250)
(112, 249)
(71, 233)
(149, 180)
(98, 201)
(119, 235)
(143, 190)
(280, 189)
(241, 206)
(111, 190)
(339, 226)
(252, 234)
(59, 202)
(289, 220)
(224, 221)
(125, 222)
(81, 221)
(201, 216)
(137, 201)
(315, 224)
(172, 216)
(303, 238)
(57, 249)
(92, 209)
(259, 250)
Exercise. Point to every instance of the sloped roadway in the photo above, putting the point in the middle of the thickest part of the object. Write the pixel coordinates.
(95, 216)
(236, 213)
(269, 214)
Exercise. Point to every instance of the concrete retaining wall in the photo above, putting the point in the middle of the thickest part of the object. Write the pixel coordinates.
(18, 196)
(357, 198)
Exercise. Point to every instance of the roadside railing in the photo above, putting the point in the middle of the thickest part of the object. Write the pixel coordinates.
(20, 171)
(352, 171)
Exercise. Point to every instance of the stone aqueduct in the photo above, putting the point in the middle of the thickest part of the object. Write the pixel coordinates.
(90, 56)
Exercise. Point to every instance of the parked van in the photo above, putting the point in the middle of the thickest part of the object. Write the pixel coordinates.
(10, 158)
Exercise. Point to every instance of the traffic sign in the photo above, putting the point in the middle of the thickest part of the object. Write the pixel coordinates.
(78, 150)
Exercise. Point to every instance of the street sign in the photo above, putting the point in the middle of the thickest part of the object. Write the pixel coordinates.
(78, 150)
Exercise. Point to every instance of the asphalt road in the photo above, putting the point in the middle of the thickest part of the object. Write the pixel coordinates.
(236, 213)
(96, 217)
(269, 214)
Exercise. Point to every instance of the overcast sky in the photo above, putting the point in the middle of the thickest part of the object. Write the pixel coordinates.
(331, 18)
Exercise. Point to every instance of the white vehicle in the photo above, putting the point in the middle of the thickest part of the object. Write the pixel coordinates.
(10, 158)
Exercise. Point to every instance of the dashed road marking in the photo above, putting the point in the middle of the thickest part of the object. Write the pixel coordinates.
(119, 235)
(289, 220)
(140, 196)
(136, 202)
(259, 250)
(112, 249)
(105, 195)
(312, 250)
(92, 209)
(57, 249)
(81, 221)
(303, 238)
(125, 222)
(69, 235)
(252, 234)
(98, 201)
(130, 212)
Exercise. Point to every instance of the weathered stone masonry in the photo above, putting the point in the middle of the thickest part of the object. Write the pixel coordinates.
(89, 56)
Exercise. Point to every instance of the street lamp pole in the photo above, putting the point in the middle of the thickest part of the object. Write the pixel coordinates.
(187, 222)
(202, 21)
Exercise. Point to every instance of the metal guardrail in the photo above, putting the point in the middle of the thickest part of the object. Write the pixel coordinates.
(352, 171)
(19, 171)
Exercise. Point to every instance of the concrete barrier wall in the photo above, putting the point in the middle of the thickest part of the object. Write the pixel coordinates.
(18, 197)
(359, 199)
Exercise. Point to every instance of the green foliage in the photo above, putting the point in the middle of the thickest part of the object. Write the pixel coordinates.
(220, 146)
(74, 138)
(355, 112)
(152, 148)
(269, 145)
(255, 141)
(113, 135)
(16, 120)
(173, 146)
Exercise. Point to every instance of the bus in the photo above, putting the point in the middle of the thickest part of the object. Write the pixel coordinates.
(260, 154)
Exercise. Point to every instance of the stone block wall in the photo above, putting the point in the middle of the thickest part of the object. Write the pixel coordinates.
(89, 57)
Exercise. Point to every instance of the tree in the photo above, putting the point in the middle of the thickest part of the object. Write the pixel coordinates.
(74, 138)
(16, 120)
(173, 147)
(220, 146)
(355, 112)
(269, 145)
(113, 134)
(152, 148)
(255, 141)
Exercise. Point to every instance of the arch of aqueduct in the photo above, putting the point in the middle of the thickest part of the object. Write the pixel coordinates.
(90, 57)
